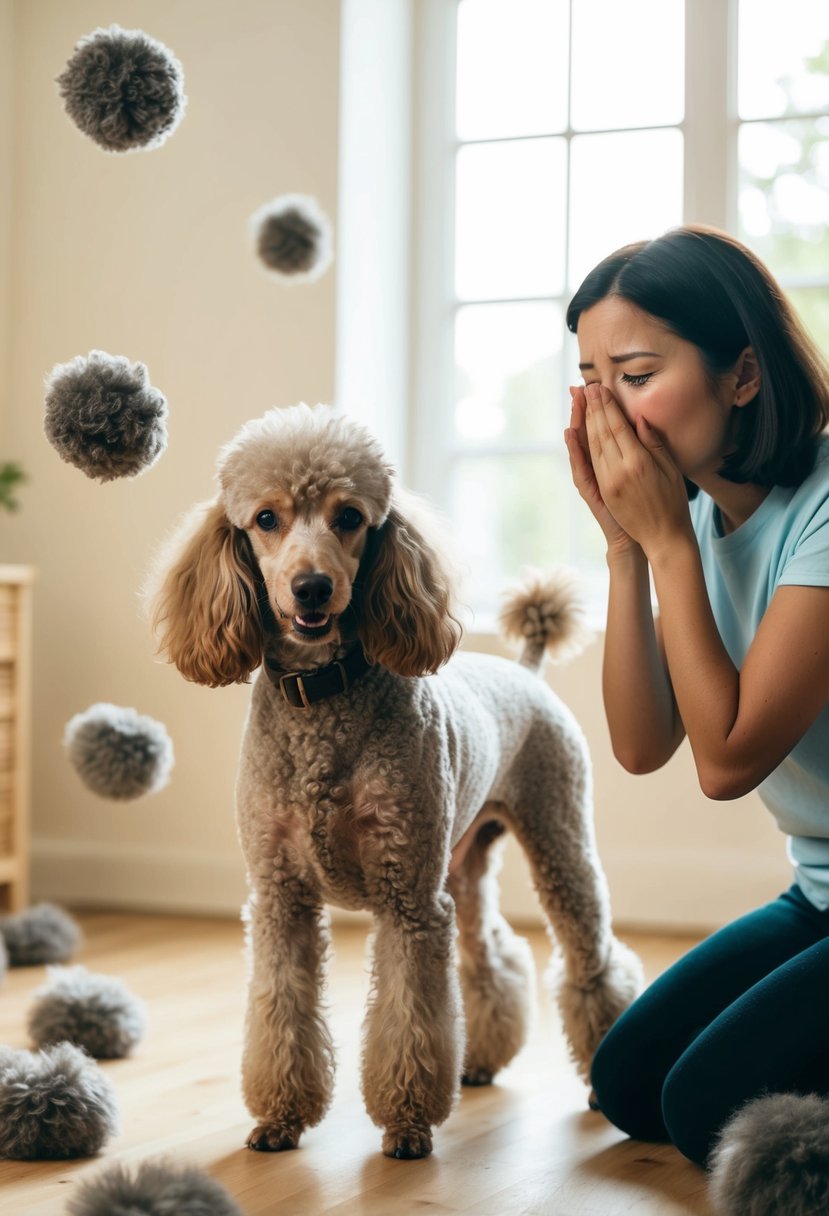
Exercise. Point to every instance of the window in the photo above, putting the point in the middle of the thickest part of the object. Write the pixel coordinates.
(550, 132)
(783, 143)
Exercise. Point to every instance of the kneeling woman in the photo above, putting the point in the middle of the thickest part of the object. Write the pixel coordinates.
(697, 442)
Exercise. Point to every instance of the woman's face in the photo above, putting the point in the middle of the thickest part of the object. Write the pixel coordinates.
(653, 373)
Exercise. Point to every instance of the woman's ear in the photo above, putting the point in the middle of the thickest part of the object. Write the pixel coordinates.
(206, 609)
(747, 371)
(406, 621)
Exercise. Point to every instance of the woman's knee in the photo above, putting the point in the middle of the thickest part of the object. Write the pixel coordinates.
(687, 1114)
(625, 1094)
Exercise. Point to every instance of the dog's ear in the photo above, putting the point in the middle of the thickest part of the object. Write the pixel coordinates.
(406, 622)
(205, 610)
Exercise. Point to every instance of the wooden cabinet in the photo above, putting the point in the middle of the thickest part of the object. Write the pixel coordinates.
(15, 688)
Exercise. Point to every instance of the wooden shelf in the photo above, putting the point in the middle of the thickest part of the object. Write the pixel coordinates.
(15, 692)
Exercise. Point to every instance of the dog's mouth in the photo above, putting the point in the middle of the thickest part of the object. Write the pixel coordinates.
(312, 624)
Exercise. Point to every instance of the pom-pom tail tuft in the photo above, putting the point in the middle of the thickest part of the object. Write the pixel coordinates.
(547, 613)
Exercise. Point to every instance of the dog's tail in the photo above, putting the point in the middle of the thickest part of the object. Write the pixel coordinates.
(546, 612)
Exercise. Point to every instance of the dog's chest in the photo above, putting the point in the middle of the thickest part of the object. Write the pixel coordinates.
(337, 812)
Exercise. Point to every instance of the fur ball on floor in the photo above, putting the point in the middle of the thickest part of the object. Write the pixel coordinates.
(772, 1157)
(123, 89)
(293, 238)
(41, 934)
(95, 1012)
(53, 1104)
(119, 753)
(158, 1189)
(104, 417)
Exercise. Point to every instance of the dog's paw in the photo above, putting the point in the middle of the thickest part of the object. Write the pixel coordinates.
(476, 1076)
(407, 1146)
(274, 1137)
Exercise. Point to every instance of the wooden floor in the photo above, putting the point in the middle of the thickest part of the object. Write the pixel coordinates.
(527, 1144)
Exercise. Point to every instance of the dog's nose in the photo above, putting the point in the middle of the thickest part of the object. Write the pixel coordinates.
(312, 590)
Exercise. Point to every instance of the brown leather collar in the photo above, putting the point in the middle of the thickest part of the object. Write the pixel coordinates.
(301, 689)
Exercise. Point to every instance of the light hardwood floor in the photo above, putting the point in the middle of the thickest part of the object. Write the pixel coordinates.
(526, 1145)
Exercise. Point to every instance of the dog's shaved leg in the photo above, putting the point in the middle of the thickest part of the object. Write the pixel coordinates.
(496, 966)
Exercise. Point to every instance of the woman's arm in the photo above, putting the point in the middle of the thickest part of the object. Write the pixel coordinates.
(741, 724)
(645, 729)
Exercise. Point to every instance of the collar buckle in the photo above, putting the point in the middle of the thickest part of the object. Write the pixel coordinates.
(306, 696)
(300, 687)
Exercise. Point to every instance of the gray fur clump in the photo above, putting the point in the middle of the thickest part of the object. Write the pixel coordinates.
(95, 1012)
(119, 753)
(293, 237)
(157, 1189)
(772, 1157)
(123, 89)
(104, 417)
(54, 1104)
(41, 934)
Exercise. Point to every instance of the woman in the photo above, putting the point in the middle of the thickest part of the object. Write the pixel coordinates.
(697, 444)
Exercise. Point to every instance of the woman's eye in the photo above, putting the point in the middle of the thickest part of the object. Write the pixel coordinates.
(267, 521)
(635, 380)
(349, 519)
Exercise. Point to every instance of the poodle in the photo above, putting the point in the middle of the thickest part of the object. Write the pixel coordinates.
(377, 775)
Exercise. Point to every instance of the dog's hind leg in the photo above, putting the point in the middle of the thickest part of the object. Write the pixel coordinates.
(496, 966)
(288, 1059)
(552, 817)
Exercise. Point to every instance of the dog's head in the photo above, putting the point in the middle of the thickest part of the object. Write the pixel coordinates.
(308, 547)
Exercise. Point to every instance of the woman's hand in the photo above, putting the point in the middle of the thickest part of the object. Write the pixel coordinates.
(584, 477)
(636, 477)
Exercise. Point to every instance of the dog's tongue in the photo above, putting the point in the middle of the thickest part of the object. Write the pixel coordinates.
(314, 620)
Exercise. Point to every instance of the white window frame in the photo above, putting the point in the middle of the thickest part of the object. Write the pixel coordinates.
(709, 128)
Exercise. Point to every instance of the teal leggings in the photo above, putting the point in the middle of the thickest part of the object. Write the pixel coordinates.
(742, 1014)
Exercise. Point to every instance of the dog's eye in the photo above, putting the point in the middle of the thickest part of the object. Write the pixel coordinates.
(267, 521)
(349, 519)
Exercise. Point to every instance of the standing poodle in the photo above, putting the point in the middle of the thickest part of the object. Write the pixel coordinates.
(372, 776)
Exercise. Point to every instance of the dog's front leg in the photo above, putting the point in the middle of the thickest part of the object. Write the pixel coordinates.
(414, 1030)
(288, 1061)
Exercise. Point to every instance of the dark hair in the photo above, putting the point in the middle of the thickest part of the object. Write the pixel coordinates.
(710, 290)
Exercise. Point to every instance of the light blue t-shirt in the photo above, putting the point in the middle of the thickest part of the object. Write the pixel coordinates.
(784, 543)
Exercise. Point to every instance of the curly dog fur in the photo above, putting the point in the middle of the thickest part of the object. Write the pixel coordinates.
(388, 795)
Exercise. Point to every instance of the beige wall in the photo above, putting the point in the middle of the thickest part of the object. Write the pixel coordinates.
(6, 195)
(146, 255)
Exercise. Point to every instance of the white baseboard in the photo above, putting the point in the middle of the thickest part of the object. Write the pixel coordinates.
(695, 890)
(692, 890)
(134, 876)
(689, 891)
(148, 880)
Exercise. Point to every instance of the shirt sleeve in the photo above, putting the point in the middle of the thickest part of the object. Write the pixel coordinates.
(808, 564)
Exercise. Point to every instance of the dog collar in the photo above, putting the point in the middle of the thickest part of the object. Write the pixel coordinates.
(301, 689)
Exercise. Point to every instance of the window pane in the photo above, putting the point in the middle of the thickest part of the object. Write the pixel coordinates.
(812, 304)
(625, 187)
(509, 219)
(628, 63)
(512, 68)
(784, 194)
(783, 58)
(509, 512)
(507, 372)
